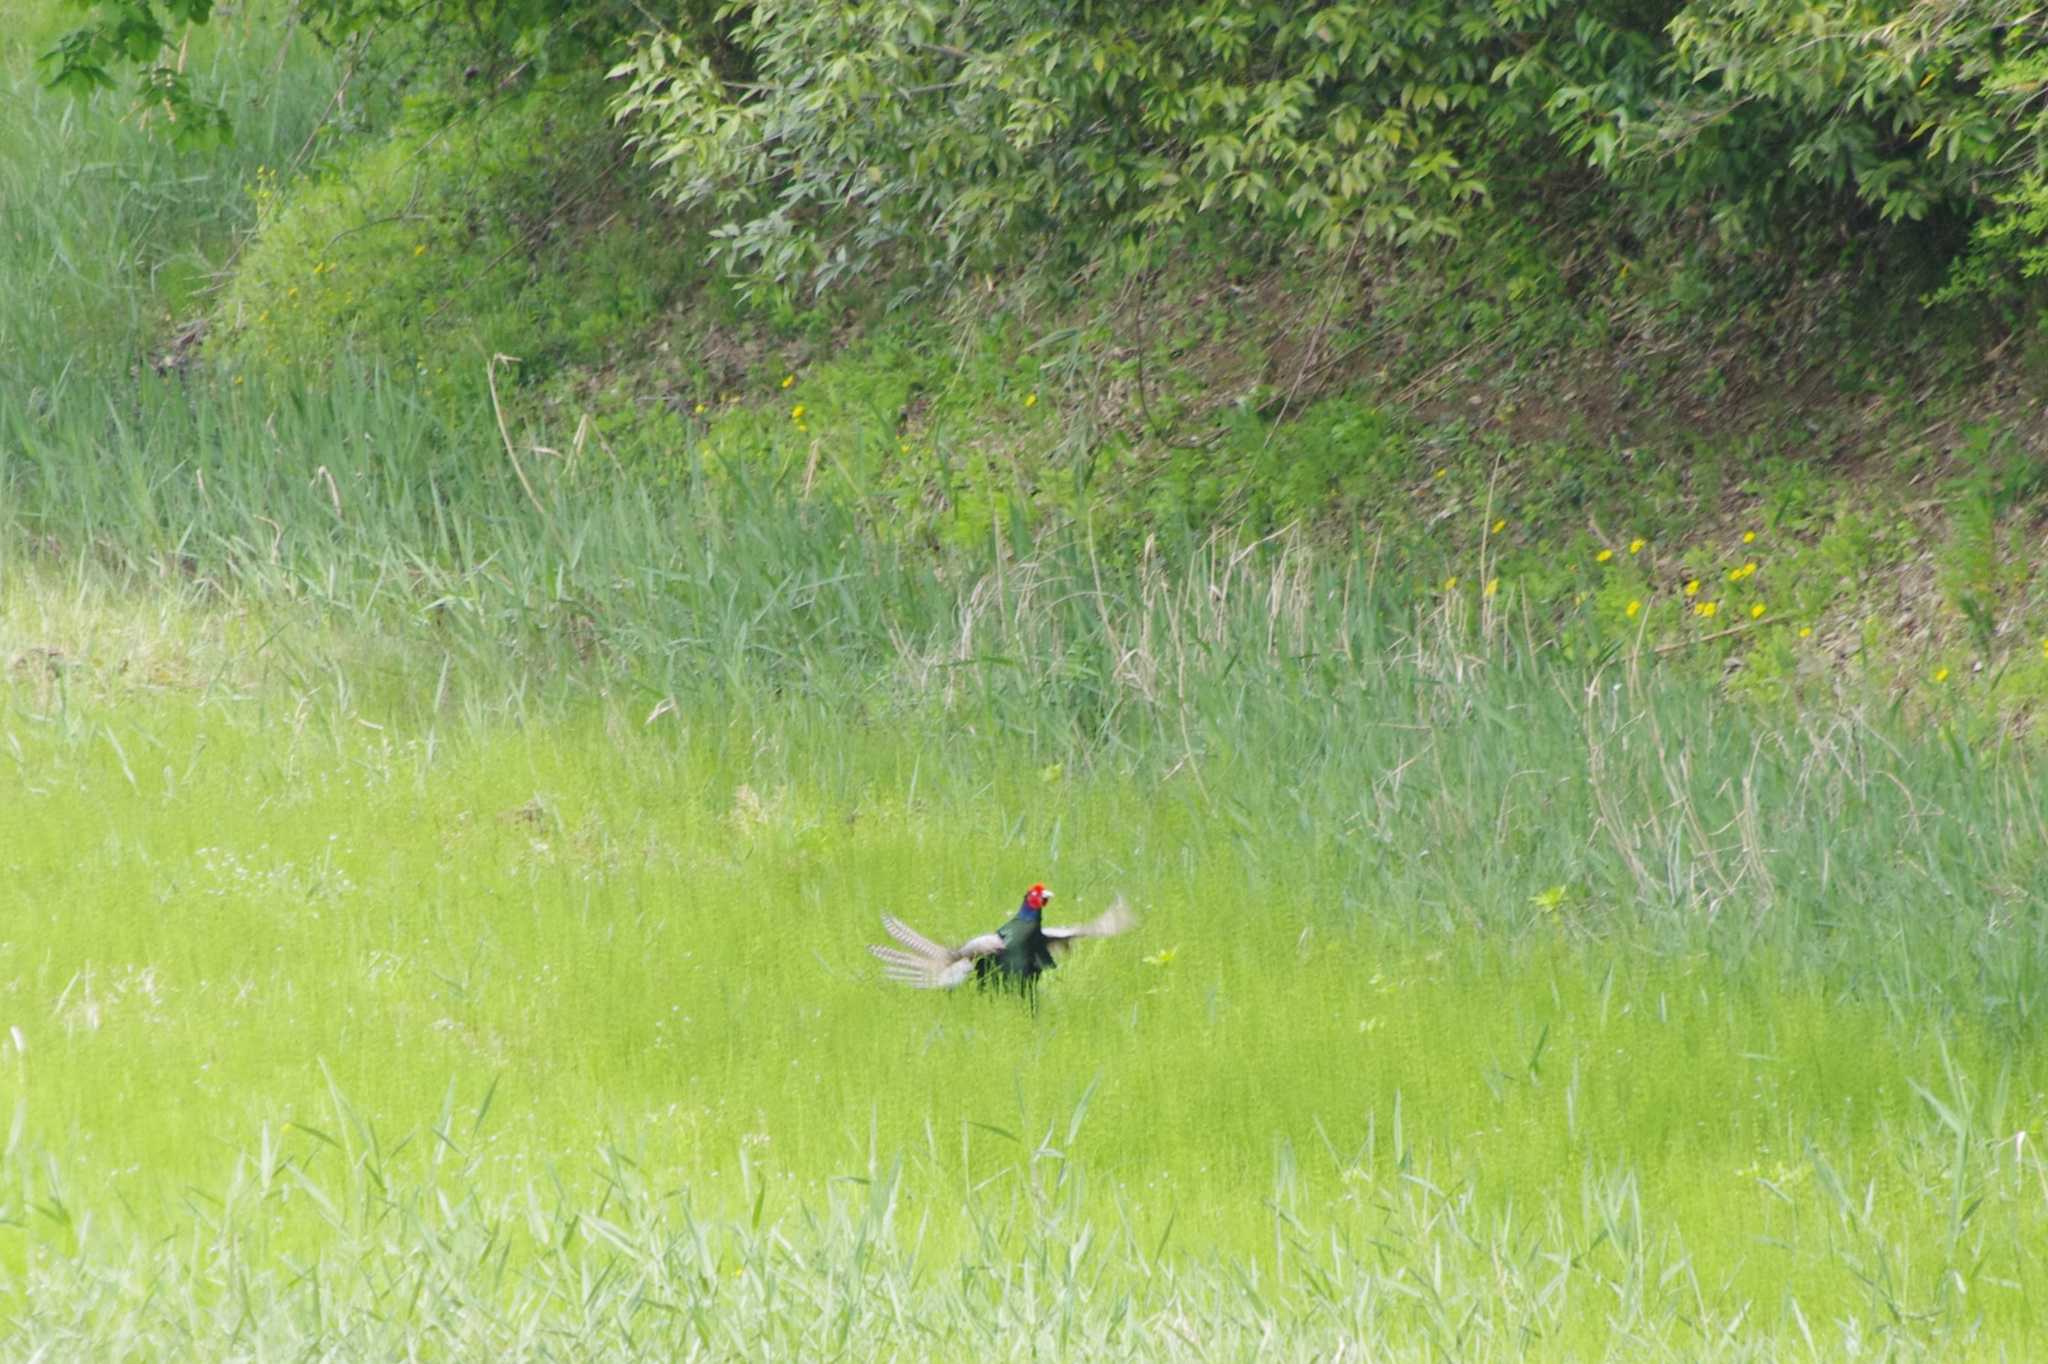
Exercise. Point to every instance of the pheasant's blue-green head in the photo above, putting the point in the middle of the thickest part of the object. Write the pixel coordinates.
(1034, 899)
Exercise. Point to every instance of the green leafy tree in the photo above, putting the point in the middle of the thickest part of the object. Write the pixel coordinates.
(133, 37)
(137, 34)
(1839, 110)
(953, 132)
(956, 135)
(825, 138)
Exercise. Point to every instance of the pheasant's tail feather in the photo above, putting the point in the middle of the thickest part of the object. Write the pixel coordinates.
(914, 940)
(921, 972)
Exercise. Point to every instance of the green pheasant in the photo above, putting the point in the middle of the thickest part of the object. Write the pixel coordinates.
(1013, 956)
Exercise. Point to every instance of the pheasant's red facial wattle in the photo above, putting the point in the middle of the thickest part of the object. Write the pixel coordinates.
(1035, 898)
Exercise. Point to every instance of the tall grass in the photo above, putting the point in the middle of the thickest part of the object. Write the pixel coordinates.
(588, 992)
(434, 868)
(421, 577)
(585, 800)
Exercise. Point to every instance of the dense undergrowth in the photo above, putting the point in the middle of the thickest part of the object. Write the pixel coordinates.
(443, 797)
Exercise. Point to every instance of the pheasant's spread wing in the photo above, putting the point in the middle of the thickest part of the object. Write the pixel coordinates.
(987, 945)
(927, 965)
(1118, 918)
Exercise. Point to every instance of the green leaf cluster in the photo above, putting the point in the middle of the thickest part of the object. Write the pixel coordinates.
(139, 34)
(143, 35)
(1895, 112)
(832, 138)
(943, 134)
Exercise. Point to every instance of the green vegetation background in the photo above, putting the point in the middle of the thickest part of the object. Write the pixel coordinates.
(444, 795)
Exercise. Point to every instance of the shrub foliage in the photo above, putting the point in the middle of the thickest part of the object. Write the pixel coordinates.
(831, 137)
(957, 134)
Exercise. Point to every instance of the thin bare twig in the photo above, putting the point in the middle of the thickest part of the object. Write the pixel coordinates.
(497, 410)
(1675, 645)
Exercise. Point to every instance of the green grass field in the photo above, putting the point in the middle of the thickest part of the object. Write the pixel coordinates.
(434, 880)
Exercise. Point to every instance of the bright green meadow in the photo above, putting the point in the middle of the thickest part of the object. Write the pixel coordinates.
(436, 863)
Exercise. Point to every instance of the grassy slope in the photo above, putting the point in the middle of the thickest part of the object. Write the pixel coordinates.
(1581, 439)
(439, 883)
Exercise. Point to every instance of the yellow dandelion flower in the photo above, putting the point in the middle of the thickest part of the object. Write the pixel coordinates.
(796, 414)
(1634, 608)
(903, 447)
(1756, 612)
(1450, 584)
(1635, 546)
(1498, 527)
(1492, 586)
(1603, 556)
(1440, 473)
(1692, 588)
(1031, 400)
(1806, 632)
(788, 379)
(804, 427)
(698, 409)
(1940, 675)
(1707, 609)
(1749, 537)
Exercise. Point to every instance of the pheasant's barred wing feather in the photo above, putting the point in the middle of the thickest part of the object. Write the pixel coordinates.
(1118, 918)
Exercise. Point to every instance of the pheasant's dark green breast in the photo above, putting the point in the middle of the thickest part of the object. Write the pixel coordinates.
(1026, 953)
